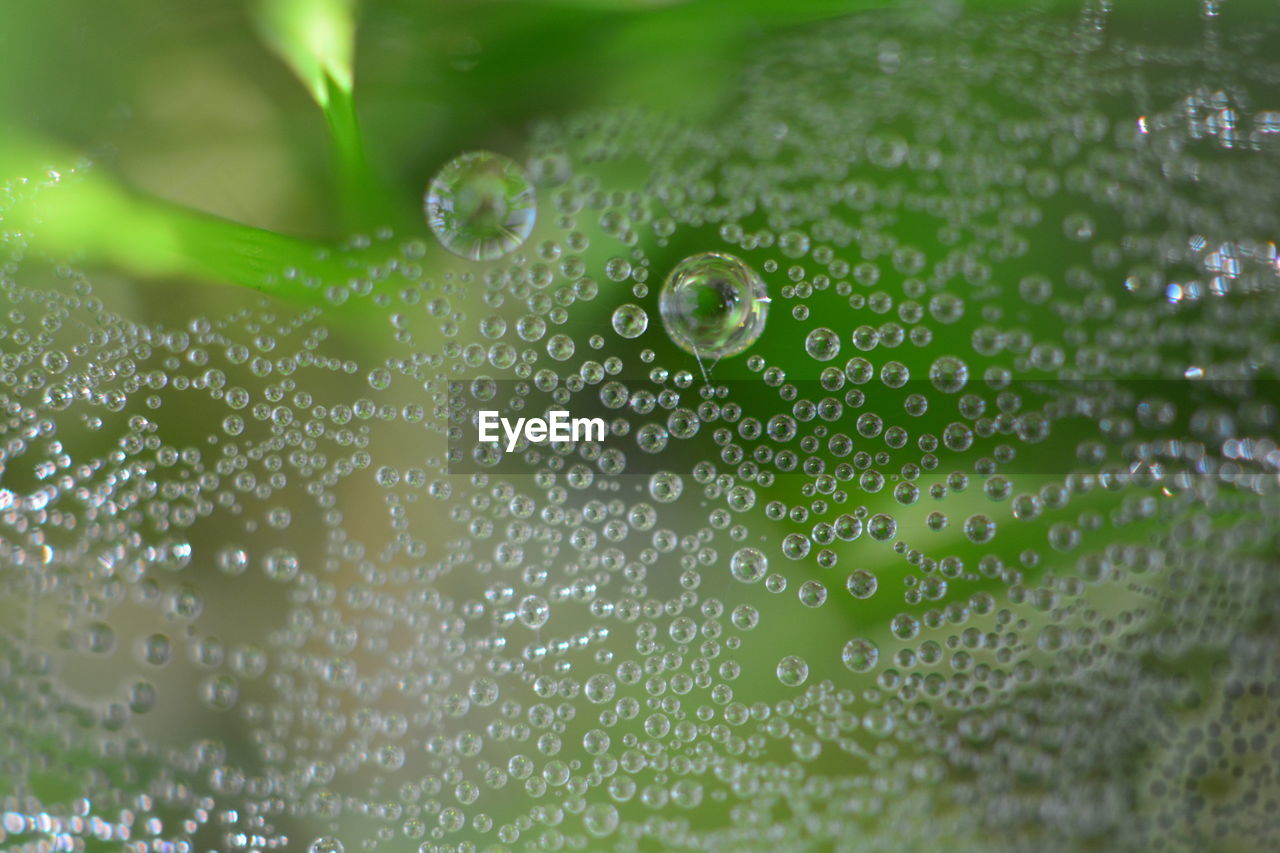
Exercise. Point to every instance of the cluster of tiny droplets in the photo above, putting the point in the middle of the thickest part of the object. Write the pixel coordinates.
(931, 581)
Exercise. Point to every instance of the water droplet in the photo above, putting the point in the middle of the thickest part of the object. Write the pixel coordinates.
(905, 626)
(748, 564)
(860, 655)
(713, 305)
(812, 594)
(795, 545)
(822, 344)
(600, 819)
(949, 374)
(862, 584)
(792, 671)
(665, 486)
(481, 205)
(630, 321)
(326, 844)
(979, 529)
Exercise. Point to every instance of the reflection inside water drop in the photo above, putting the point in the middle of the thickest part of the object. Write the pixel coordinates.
(713, 304)
(481, 205)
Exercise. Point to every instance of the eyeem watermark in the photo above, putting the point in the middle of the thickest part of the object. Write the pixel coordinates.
(816, 428)
(558, 425)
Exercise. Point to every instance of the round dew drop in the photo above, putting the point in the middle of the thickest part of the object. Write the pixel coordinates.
(326, 844)
(792, 671)
(822, 344)
(860, 655)
(714, 305)
(630, 321)
(748, 564)
(862, 584)
(481, 205)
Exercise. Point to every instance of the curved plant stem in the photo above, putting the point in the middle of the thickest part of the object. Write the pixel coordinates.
(316, 38)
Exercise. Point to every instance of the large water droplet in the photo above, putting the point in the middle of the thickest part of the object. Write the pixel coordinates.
(481, 205)
(713, 304)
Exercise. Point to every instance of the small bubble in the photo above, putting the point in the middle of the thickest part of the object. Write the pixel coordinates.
(905, 626)
(665, 487)
(534, 611)
(326, 844)
(232, 560)
(822, 344)
(861, 584)
(600, 820)
(561, 347)
(220, 692)
(792, 671)
(748, 564)
(860, 655)
(630, 321)
(979, 529)
(949, 374)
(795, 545)
(812, 594)
(882, 527)
(155, 649)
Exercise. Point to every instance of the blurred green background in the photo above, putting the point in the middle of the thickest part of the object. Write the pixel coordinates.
(231, 141)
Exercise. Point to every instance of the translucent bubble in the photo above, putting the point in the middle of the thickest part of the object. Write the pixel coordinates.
(560, 347)
(861, 584)
(794, 244)
(905, 626)
(848, 527)
(665, 487)
(155, 649)
(882, 527)
(713, 305)
(946, 307)
(481, 205)
(599, 688)
(220, 692)
(1027, 507)
(630, 321)
(617, 269)
(748, 564)
(822, 344)
(792, 671)
(866, 339)
(142, 697)
(326, 844)
(812, 594)
(1032, 427)
(745, 617)
(979, 529)
(99, 638)
(949, 374)
(232, 560)
(741, 498)
(860, 655)
(795, 545)
(281, 564)
(534, 611)
(894, 374)
(652, 438)
(600, 819)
